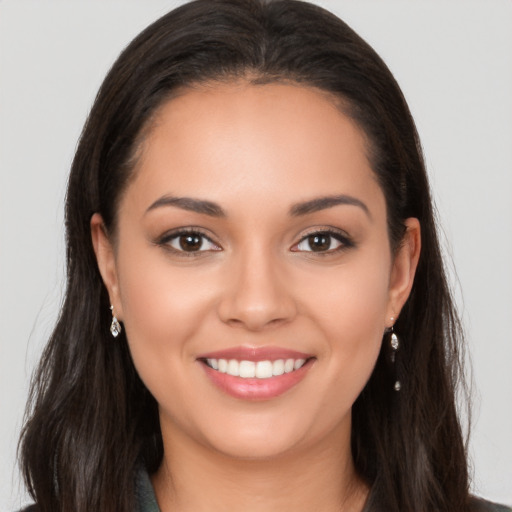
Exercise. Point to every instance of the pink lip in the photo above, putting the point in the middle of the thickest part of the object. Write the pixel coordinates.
(255, 354)
(256, 389)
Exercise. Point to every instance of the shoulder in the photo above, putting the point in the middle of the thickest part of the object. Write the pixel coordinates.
(480, 505)
(30, 508)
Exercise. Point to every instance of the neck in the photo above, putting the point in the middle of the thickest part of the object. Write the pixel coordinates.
(198, 478)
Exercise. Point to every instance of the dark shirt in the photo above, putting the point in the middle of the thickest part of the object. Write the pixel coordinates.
(146, 499)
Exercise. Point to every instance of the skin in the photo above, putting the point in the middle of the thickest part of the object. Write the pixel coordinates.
(255, 151)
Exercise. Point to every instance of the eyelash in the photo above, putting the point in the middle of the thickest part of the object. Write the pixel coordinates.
(341, 237)
(165, 242)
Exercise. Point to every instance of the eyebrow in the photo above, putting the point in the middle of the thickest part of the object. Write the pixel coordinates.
(214, 210)
(190, 204)
(322, 203)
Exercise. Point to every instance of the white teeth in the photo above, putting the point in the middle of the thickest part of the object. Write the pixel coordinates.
(247, 369)
(298, 363)
(213, 363)
(251, 369)
(233, 368)
(264, 369)
(278, 367)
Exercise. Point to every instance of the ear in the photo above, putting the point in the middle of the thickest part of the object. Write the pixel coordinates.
(105, 258)
(404, 268)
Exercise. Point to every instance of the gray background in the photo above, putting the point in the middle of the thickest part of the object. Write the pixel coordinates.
(453, 60)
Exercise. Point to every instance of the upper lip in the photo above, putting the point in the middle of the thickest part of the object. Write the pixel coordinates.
(255, 354)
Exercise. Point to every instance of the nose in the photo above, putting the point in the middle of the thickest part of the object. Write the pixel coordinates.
(257, 293)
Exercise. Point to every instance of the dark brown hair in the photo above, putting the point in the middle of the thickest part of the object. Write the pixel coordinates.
(91, 420)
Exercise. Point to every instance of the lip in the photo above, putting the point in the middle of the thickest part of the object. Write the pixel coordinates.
(254, 389)
(255, 354)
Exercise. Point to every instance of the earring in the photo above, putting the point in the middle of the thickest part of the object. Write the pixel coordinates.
(115, 326)
(394, 344)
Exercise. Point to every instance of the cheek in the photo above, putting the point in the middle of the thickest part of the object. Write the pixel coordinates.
(162, 313)
(163, 307)
(353, 320)
(350, 307)
(157, 296)
(351, 299)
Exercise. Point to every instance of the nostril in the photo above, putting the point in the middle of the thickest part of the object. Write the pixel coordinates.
(255, 298)
(254, 323)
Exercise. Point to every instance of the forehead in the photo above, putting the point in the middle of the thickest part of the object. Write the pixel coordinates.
(279, 141)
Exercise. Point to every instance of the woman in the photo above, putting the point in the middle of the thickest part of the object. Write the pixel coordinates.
(256, 300)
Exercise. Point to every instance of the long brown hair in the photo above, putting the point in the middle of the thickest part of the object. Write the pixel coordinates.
(90, 419)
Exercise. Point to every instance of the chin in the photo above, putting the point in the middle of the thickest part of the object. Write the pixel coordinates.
(252, 436)
(255, 447)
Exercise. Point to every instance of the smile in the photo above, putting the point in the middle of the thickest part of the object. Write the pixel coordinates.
(251, 369)
(256, 373)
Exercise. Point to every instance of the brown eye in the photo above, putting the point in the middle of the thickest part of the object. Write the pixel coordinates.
(323, 241)
(320, 242)
(190, 242)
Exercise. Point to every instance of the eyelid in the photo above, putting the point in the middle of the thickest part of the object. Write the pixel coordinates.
(338, 234)
(165, 239)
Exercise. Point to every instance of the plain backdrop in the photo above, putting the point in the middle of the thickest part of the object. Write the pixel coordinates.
(453, 60)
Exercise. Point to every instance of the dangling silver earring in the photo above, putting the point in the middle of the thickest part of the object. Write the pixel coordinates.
(115, 326)
(394, 344)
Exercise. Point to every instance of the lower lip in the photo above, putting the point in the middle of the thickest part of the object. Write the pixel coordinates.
(256, 389)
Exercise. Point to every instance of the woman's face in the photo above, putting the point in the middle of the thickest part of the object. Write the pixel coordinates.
(252, 270)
